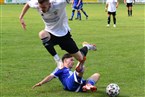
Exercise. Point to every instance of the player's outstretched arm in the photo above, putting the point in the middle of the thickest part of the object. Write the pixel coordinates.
(45, 80)
(106, 7)
(124, 1)
(78, 3)
(117, 4)
(24, 10)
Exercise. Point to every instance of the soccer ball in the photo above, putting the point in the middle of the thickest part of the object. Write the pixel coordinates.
(112, 90)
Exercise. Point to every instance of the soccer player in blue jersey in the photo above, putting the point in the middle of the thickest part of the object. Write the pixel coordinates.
(72, 81)
(83, 12)
(77, 5)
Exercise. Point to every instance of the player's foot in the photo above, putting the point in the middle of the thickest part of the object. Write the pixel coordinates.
(89, 46)
(108, 25)
(88, 87)
(87, 17)
(70, 19)
(114, 25)
(80, 65)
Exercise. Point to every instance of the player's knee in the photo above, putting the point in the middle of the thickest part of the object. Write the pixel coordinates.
(82, 59)
(97, 74)
(73, 10)
(43, 34)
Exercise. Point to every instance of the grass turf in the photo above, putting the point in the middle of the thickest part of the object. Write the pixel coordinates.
(119, 58)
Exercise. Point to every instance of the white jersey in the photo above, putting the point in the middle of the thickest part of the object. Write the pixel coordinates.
(111, 5)
(55, 19)
(129, 1)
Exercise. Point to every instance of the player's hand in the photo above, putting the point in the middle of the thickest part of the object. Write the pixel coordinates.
(77, 6)
(116, 6)
(105, 9)
(23, 24)
(124, 2)
(38, 84)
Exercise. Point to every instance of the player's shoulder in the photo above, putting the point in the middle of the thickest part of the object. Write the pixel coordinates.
(33, 3)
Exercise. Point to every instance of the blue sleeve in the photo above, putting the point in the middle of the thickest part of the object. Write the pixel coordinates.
(57, 72)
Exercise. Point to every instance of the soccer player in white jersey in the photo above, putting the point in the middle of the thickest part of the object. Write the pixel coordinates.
(56, 31)
(129, 6)
(72, 81)
(111, 6)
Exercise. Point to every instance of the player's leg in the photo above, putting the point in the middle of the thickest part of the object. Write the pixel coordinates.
(84, 51)
(79, 14)
(91, 81)
(69, 45)
(114, 18)
(129, 5)
(48, 44)
(84, 13)
(130, 9)
(73, 12)
(109, 19)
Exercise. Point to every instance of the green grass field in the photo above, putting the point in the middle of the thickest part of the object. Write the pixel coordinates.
(119, 58)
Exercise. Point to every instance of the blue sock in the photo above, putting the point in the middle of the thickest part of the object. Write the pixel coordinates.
(79, 15)
(85, 14)
(73, 12)
(90, 81)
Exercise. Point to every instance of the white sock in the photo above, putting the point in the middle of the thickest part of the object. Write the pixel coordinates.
(58, 61)
(88, 46)
(56, 57)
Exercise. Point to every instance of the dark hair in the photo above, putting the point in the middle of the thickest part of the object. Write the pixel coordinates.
(42, 1)
(66, 56)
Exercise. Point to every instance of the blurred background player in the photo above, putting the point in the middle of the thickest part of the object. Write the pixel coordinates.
(84, 14)
(57, 30)
(72, 81)
(111, 6)
(77, 5)
(129, 6)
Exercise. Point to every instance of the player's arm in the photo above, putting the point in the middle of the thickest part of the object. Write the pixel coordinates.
(124, 1)
(117, 4)
(45, 80)
(72, 3)
(23, 12)
(106, 7)
(79, 3)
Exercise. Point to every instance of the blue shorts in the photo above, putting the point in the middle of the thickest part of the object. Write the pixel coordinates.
(75, 83)
(77, 8)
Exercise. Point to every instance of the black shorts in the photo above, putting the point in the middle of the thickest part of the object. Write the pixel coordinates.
(113, 13)
(129, 5)
(65, 42)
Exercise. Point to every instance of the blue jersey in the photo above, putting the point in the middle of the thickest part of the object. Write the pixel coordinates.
(77, 1)
(69, 79)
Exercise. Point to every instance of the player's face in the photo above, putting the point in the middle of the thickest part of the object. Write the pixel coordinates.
(45, 6)
(70, 62)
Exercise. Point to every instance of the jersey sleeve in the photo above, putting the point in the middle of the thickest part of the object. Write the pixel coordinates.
(57, 72)
(33, 3)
